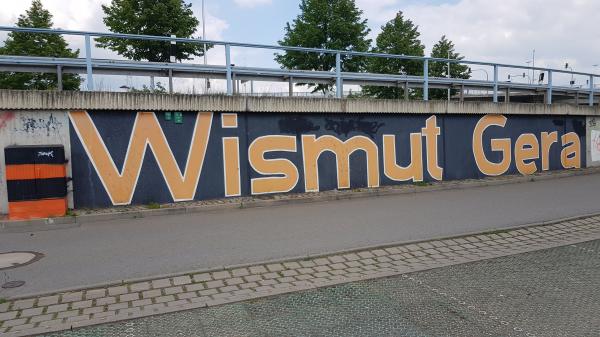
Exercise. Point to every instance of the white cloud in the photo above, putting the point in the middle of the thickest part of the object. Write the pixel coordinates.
(87, 15)
(252, 3)
(503, 31)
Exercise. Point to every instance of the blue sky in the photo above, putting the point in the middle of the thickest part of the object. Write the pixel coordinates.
(264, 23)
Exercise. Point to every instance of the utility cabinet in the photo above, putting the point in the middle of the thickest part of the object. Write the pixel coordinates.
(36, 181)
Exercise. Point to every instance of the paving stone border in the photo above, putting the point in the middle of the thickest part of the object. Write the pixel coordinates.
(110, 303)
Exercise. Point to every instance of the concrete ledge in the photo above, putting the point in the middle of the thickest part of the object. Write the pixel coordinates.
(20, 226)
(84, 100)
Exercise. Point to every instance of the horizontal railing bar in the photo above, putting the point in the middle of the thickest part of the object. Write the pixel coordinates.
(114, 67)
(285, 48)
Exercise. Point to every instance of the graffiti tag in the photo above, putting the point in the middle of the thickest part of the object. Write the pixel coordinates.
(49, 154)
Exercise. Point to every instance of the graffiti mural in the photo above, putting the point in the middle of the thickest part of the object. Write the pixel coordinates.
(122, 157)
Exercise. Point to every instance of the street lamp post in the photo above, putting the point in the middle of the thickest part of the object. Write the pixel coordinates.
(533, 66)
(487, 75)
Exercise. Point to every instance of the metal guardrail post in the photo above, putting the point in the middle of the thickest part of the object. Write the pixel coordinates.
(549, 93)
(426, 80)
(88, 62)
(59, 79)
(339, 90)
(495, 83)
(591, 100)
(228, 67)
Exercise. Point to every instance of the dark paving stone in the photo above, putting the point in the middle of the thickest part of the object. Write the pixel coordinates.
(553, 292)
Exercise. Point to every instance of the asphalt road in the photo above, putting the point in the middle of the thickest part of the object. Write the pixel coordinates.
(116, 250)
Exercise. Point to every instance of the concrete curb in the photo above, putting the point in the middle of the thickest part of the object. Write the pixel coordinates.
(23, 226)
(298, 257)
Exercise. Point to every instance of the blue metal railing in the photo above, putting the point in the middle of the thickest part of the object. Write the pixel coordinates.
(228, 70)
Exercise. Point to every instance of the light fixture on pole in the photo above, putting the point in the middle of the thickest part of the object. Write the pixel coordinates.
(572, 75)
(487, 75)
(510, 76)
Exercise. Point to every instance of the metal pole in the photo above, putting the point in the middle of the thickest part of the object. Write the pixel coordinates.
(88, 62)
(206, 86)
(426, 80)
(338, 76)
(173, 50)
(495, 83)
(448, 74)
(591, 100)
(533, 70)
(172, 59)
(290, 87)
(549, 94)
(228, 68)
(59, 82)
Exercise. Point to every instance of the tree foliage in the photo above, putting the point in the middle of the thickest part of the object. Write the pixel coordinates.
(151, 17)
(37, 44)
(326, 24)
(158, 89)
(444, 48)
(398, 36)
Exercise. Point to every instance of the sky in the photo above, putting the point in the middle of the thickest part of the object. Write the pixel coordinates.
(502, 31)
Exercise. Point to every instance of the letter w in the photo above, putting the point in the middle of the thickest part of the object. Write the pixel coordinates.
(120, 186)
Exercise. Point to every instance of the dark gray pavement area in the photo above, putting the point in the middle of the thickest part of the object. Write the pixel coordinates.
(124, 249)
(553, 292)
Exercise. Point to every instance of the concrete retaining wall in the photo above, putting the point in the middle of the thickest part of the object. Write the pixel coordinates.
(132, 148)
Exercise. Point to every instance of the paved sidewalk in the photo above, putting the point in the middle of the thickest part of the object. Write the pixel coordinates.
(109, 251)
(61, 311)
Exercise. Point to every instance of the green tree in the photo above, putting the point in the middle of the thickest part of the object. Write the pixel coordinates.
(36, 44)
(151, 17)
(444, 48)
(326, 24)
(398, 36)
(159, 89)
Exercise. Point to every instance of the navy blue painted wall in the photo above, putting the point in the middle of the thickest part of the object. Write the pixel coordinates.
(454, 148)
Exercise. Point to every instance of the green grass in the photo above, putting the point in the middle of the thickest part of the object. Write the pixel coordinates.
(422, 183)
(3, 300)
(153, 205)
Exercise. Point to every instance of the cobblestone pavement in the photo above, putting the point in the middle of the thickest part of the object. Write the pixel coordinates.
(546, 293)
(551, 292)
